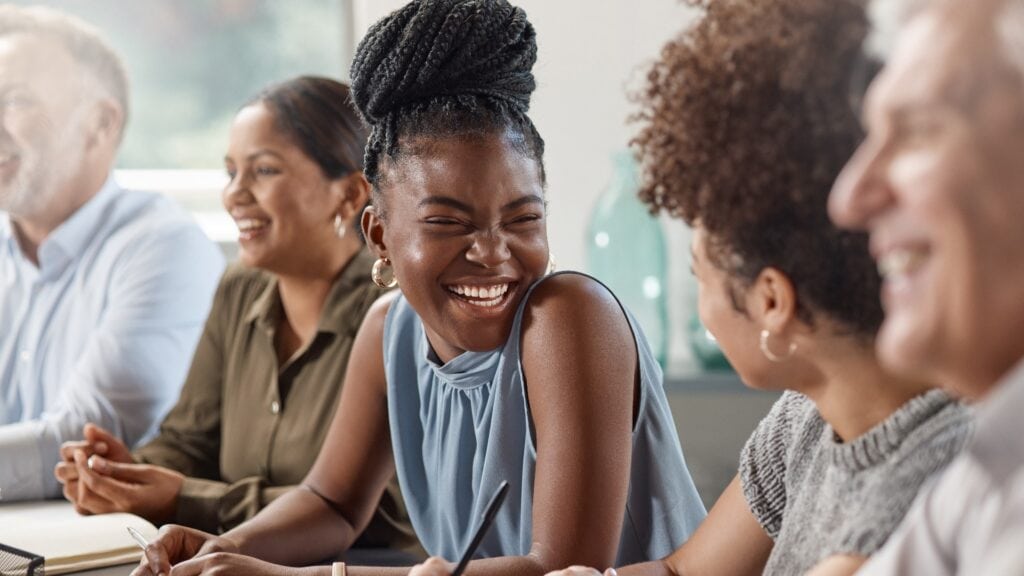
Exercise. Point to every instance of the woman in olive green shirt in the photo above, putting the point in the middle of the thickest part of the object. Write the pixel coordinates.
(268, 369)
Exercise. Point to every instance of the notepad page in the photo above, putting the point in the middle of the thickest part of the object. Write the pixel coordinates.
(70, 542)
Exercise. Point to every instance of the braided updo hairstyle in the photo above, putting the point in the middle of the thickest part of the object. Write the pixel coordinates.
(444, 68)
(747, 119)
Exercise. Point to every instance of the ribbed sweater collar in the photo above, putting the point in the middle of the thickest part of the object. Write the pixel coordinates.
(879, 443)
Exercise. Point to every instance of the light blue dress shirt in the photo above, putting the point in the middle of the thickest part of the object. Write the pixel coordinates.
(102, 331)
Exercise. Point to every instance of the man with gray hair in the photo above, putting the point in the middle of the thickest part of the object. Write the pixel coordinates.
(939, 185)
(103, 292)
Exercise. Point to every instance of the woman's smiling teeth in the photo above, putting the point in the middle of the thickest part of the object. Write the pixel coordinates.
(250, 224)
(249, 227)
(480, 295)
(900, 262)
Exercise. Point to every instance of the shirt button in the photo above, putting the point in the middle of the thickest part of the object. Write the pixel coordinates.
(26, 355)
(275, 407)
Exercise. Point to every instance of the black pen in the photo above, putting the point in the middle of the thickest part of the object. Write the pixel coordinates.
(489, 513)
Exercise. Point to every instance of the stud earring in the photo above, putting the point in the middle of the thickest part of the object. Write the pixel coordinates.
(376, 274)
(765, 335)
(339, 226)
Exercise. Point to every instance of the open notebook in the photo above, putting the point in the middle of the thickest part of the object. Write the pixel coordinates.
(69, 542)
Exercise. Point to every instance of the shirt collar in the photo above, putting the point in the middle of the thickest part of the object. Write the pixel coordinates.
(10, 252)
(7, 232)
(69, 240)
(997, 444)
(336, 316)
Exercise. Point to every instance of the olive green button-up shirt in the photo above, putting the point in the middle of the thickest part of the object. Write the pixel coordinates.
(245, 429)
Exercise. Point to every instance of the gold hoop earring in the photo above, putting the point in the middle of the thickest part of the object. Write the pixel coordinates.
(552, 266)
(339, 226)
(772, 355)
(377, 276)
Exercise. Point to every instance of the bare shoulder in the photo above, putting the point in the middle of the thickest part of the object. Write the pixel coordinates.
(378, 312)
(574, 308)
(571, 296)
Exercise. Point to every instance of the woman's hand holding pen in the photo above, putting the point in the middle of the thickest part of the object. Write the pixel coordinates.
(437, 566)
(227, 564)
(177, 544)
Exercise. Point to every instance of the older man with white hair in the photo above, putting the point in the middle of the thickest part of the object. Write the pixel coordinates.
(103, 292)
(939, 185)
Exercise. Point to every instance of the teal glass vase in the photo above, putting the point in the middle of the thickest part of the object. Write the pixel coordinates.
(626, 250)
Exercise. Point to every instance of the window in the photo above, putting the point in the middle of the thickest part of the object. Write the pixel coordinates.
(191, 65)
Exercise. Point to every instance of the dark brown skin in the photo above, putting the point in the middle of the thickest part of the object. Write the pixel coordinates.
(467, 211)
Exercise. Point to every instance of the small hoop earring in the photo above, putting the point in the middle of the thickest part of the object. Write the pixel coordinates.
(772, 355)
(377, 276)
(552, 266)
(339, 226)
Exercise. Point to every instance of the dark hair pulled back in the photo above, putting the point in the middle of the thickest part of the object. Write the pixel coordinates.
(317, 114)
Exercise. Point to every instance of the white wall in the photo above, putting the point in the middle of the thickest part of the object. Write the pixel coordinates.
(590, 53)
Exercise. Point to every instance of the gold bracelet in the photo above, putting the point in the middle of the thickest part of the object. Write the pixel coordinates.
(338, 569)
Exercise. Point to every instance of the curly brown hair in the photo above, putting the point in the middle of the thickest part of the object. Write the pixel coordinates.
(746, 120)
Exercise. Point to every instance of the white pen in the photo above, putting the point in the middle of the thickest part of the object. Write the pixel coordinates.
(138, 537)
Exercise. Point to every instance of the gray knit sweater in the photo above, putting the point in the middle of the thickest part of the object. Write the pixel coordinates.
(816, 496)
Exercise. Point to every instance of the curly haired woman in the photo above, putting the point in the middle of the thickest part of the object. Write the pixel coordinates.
(747, 120)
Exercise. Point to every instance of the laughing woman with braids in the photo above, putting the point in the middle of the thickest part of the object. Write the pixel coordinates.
(483, 369)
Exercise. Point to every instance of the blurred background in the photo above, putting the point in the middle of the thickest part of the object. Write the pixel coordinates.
(192, 63)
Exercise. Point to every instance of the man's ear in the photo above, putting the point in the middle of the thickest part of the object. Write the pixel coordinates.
(373, 231)
(105, 123)
(771, 301)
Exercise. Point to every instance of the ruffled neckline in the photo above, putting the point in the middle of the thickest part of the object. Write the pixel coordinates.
(467, 370)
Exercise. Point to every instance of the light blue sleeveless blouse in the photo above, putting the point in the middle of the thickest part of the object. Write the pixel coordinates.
(459, 429)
